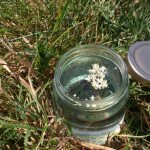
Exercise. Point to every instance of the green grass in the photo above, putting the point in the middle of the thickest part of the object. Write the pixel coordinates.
(40, 32)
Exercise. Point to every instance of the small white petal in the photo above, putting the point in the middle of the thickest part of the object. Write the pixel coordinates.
(96, 87)
(102, 75)
(99, 80)
(87, 105)
(93, 71)
(104, 85)
(95, 66)
(99, 86)
(104, 81)
(75, 95)
(94, 83)
(99, 72)
(94, 105)
(90, 71)
(94, 80)
(88, 79)
(92, 98)
(102, 68)
(93, 76)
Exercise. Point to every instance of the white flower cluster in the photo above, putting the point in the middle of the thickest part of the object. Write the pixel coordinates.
(96, 77)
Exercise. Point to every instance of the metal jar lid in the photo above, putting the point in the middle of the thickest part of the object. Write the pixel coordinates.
(138, 62)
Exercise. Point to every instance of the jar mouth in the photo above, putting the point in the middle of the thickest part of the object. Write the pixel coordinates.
(100, 50)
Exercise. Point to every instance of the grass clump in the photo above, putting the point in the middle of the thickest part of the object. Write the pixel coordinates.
(34, 34)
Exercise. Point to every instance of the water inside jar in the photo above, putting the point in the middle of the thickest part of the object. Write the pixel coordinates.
(75, 72)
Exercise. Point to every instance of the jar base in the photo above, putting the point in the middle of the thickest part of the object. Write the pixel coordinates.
(99, 136)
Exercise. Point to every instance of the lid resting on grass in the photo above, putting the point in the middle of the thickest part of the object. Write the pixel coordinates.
(138, 62)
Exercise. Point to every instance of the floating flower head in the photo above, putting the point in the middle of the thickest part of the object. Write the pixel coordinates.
(96, 77)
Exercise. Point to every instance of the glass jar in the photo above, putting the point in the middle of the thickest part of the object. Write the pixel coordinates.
(91, 119)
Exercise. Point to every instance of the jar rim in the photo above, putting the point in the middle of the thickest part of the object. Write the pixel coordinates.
(96, 101)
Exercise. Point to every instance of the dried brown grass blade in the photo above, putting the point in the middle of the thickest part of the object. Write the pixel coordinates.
(21, 61)
(94, 146)
(3, 91)
(27, 42)
(145, 117)
(31, 86)
(0, 86)
(61, 144)
(9, 53)
(21, 80)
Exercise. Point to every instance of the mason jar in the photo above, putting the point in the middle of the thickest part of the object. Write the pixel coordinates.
(93, 113)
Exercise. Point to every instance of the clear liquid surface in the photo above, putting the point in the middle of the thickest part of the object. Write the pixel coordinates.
(74, 74)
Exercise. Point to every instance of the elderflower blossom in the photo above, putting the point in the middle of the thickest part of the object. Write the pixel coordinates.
(96, 77)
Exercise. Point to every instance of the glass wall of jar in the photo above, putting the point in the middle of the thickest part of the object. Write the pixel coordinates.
(93, 111)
